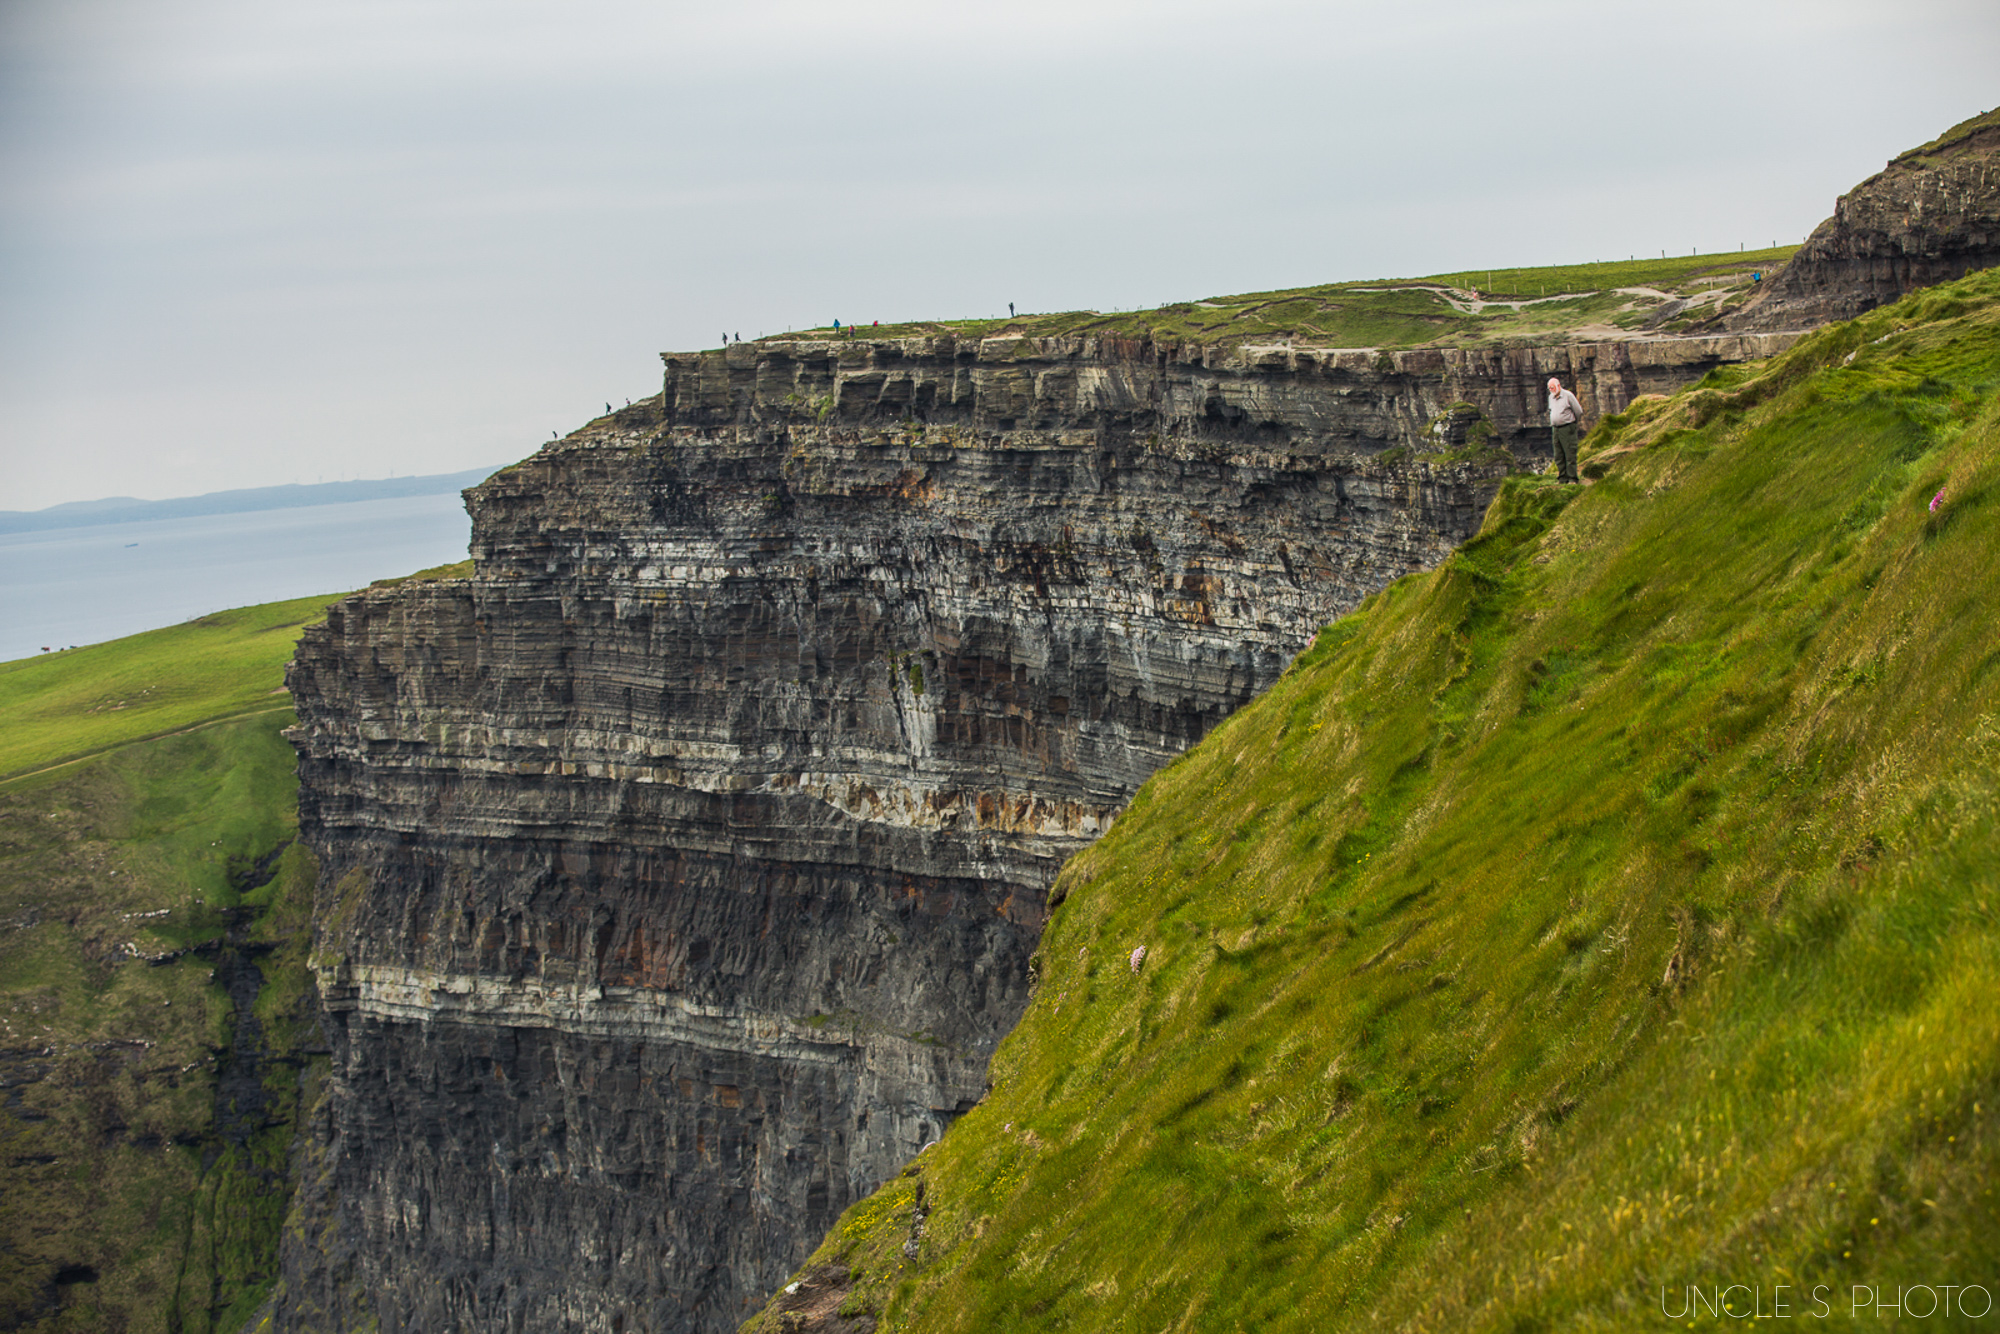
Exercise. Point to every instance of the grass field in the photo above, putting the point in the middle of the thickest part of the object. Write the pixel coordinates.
(1596, 933)
(124, 1204)
(1409, 312)
(60, 706)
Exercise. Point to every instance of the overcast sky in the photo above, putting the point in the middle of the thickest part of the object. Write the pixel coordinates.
(248, 242)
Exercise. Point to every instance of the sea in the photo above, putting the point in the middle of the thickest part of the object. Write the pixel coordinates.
(77, 586)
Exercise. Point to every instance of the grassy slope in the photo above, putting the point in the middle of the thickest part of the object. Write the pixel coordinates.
(85, 701)
(1397, 313)
(61, 707)
(1610, 911)
(110, 1040)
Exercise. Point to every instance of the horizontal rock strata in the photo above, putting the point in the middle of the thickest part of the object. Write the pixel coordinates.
(683, 867)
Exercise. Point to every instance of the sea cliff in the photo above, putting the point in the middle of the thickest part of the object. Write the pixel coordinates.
(683, 866)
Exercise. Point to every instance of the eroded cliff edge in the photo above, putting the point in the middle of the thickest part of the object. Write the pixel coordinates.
(1931, 215)
(683, 866)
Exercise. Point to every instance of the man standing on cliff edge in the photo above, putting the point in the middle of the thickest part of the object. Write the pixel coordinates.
(1564, 414)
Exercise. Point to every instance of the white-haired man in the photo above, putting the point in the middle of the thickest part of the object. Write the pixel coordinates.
(1565, 417)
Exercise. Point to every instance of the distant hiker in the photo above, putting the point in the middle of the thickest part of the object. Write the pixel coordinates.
(1564, 414)
(739, 338)
(607, 409)
(1010, 310)
(836, 326)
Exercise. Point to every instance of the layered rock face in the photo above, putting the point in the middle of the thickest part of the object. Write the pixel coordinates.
(1932, 215)
(683, 867)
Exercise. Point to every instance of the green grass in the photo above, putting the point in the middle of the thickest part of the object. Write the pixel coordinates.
(117, 877)
(1399, 312)
(1613, 911)
(1682, 274)
(60, 706)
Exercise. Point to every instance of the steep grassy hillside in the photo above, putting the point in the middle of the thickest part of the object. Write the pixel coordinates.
(1636, 296)
(154, 1014)
(1605, 919)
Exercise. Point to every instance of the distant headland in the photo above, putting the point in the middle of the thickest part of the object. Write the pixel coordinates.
(129, 509)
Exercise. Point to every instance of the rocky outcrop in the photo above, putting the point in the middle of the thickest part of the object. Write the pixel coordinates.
(684, 865)
(1932, 215)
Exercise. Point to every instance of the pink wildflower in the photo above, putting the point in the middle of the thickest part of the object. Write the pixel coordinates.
(1937, 500)
(1138, 958)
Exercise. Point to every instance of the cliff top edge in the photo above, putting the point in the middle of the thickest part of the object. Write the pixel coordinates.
(1599, 301)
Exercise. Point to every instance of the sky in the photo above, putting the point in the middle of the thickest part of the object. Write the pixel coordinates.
(251, 242)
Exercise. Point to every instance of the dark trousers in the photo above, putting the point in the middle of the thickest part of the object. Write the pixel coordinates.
(1565, 443)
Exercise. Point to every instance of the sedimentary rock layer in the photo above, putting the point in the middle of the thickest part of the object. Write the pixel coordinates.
(683, 867)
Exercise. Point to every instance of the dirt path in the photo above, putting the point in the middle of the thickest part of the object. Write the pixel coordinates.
(1468, 302)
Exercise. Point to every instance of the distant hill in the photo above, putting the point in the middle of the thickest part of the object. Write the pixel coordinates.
(127, 509)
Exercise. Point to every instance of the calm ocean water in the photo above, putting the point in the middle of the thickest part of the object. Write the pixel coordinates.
(84, 585)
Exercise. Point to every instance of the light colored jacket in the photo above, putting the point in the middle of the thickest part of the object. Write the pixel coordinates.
(1564, 408)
